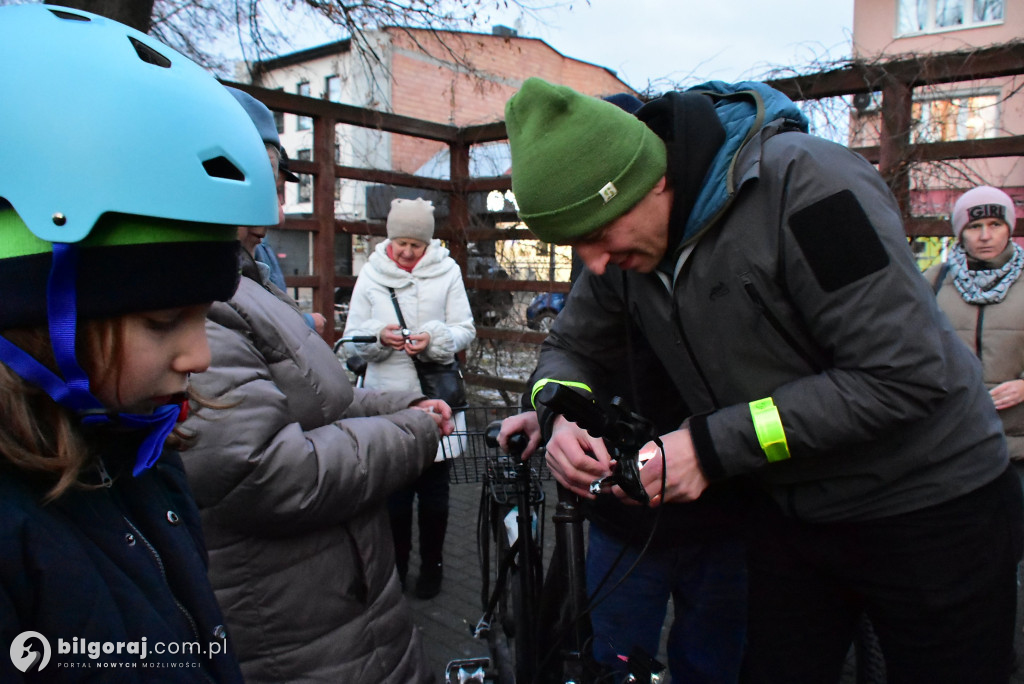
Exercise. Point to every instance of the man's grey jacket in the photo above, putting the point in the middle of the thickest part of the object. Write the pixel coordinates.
(798, 286)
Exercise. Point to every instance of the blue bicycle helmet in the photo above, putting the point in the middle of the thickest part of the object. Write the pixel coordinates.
(124, 174)
(100, 118)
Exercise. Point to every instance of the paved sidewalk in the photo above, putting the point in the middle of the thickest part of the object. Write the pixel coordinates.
(447, 619)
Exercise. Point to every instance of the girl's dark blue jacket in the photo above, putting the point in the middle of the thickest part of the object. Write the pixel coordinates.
(113, 578)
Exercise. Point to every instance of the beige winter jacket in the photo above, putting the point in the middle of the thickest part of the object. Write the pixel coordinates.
(995, 333)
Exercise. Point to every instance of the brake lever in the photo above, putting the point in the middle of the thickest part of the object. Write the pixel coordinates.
(623, 432)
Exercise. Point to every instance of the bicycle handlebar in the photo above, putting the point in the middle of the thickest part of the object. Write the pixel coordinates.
(517, 443)
(357, 339)
(623, 432)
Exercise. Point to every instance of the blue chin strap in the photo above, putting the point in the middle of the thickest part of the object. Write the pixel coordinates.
(73, 391)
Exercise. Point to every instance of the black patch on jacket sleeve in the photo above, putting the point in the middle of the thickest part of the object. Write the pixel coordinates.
(707, 455)
(838, 241)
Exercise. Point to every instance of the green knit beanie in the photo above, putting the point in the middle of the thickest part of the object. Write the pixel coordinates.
(578, 162)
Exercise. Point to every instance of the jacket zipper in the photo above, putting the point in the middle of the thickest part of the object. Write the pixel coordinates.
(105, 479)
(693, 358)
(163, 573)
(788, 338)
(978, 330)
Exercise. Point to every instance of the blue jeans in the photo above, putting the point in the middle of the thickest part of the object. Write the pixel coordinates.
(707, 582)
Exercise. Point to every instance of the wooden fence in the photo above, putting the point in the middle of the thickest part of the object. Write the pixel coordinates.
(895, 155)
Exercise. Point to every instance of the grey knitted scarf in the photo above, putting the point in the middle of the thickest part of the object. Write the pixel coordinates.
(984, 286)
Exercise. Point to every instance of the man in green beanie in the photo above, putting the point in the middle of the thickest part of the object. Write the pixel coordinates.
(769, 272)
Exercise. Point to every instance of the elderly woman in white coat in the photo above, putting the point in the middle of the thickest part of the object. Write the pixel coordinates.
(428, 287)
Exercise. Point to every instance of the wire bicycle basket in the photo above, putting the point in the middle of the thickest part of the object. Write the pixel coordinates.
(471, 460)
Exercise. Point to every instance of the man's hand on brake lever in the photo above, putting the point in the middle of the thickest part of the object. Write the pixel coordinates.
(575, 458)
(685, 480)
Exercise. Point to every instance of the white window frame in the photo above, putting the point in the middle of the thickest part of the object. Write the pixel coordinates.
(336, 81)
(993, 123)
(304, 193)
(933, 8)
(278, 117)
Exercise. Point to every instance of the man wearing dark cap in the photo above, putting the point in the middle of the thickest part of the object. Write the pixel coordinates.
(261, 256)
(769, 272)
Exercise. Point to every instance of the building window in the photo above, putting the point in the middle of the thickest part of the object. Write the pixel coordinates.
(332, 89)
(925, 16)
(305, 180)
(968, 117)
(303, 123)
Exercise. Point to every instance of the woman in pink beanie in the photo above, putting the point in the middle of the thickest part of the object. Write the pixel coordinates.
(976, 290)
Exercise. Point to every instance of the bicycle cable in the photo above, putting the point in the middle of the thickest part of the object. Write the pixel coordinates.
(592, 600)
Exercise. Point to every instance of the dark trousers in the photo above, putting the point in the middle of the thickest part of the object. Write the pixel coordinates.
(431, 488)
(706, 580)
(938, 584)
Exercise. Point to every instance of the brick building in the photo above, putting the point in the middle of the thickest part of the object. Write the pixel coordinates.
(450, 77)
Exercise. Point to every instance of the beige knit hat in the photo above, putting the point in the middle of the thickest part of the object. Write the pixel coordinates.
(411, 219)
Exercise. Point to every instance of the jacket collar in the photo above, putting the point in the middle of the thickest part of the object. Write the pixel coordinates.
(386, 272)
(742, 111)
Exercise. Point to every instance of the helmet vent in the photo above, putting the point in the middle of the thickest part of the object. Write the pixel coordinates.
(69, 16)
(149, 55)
(221, 167)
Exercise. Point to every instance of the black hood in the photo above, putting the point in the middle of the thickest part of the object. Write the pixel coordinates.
(693, 134)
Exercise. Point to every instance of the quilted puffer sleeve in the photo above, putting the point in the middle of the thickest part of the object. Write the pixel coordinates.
(285, 452)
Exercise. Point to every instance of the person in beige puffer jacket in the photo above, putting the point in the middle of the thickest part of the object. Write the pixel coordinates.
(976, 289)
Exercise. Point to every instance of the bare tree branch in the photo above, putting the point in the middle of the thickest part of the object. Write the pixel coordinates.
(204, 30)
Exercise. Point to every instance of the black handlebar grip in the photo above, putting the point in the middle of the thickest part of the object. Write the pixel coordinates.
(491, 433)
(575, 406)
(516, 443)
(357, 339)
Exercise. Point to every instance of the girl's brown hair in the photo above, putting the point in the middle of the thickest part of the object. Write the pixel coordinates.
(38, 434)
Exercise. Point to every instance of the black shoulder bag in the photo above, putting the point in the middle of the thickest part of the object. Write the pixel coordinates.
(437, 380)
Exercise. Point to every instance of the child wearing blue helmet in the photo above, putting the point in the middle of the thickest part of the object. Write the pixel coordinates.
(124, 173)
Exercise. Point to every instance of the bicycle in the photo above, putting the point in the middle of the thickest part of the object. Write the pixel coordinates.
(536, 627)
(355, 363)
(508, 485)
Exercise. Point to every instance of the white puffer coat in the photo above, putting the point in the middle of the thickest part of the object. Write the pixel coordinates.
(433, 300)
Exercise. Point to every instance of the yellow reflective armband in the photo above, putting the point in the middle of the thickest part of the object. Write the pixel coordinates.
(768, 426)
(539, 385)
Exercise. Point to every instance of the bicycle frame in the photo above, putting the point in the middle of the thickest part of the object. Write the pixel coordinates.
(509, 484)
(552, 628)
(569, 543)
